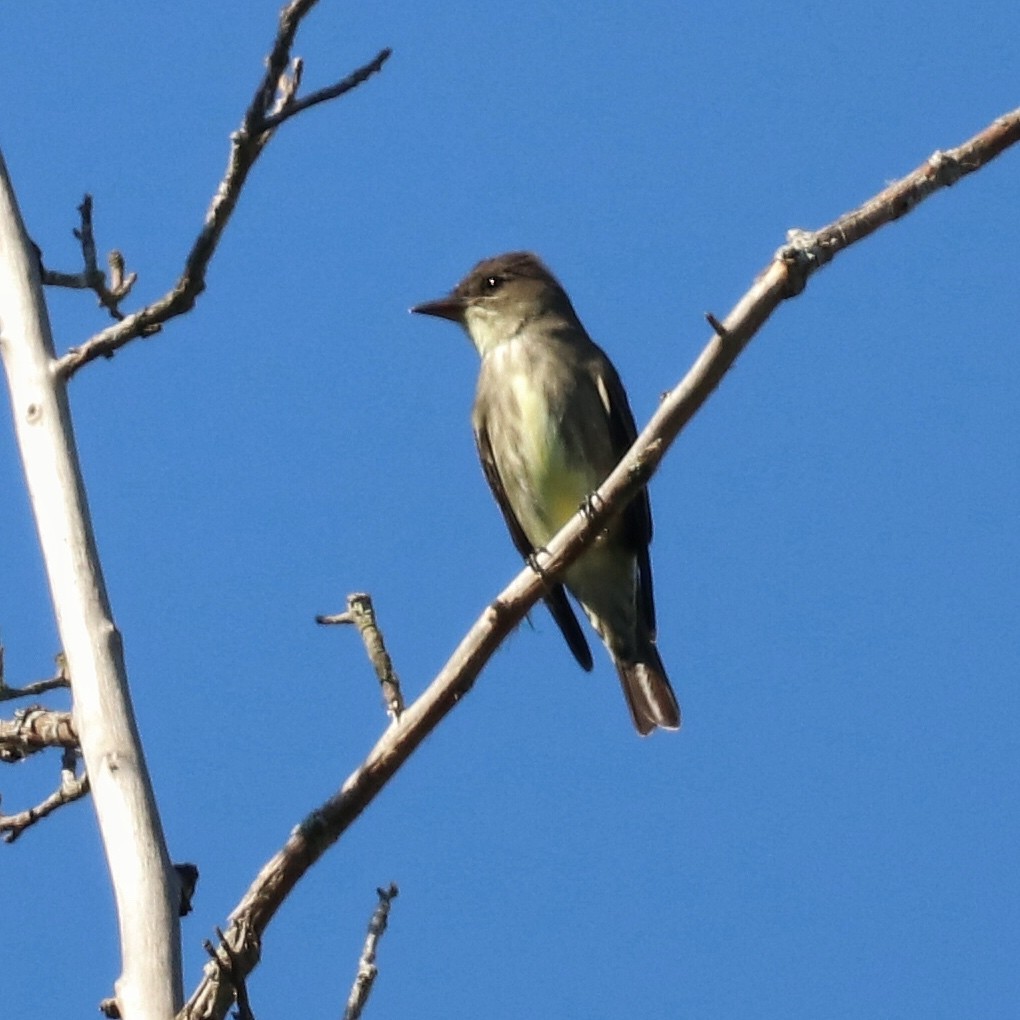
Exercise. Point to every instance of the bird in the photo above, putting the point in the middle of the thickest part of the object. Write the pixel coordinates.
(551, 420)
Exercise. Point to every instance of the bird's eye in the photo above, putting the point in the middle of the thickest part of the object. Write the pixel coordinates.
(493, 282)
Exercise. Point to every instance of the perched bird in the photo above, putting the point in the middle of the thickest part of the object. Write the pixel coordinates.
(551, 421)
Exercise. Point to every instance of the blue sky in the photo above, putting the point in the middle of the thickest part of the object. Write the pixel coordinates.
(834, 831)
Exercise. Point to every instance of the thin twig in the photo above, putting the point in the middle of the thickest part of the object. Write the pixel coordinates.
(719, 328)
(72, 787)
(232, 960)
(37, 687)
(34, 689)
(361, 613)
(334, 91)
(367, 970)
(92, 277)
(783, 278)
(273, 103)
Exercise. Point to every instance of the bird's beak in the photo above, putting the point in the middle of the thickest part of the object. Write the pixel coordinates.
(451, 308)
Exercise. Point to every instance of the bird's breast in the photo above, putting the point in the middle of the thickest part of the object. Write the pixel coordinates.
(533, 395)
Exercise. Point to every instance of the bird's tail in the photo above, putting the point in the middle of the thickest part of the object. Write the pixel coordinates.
(649, 696)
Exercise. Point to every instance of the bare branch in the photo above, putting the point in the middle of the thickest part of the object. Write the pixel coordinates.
(92, 277)
(783, 278)
(35, 729)
(367, 970)
(279, 56)
(288, 85)
(333, 91)
(715, 324)
(273, 103)
(361, 613)
(229, 963)
(232, 961)
(941, 170)
(37, 687)
(72, 787)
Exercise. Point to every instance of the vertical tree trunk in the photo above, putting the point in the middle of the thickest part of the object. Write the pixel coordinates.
(150, 985)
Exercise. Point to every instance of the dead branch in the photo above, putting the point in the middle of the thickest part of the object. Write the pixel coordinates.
(273, 103)
(92, 277)
(37, 687)
(785, 277)
(229, 964)
(72, 787)
(367, 970)
(35, 729)
(361, 613)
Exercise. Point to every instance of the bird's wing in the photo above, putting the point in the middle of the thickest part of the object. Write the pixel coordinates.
(636, 520)
(556, 597)
(566, 620)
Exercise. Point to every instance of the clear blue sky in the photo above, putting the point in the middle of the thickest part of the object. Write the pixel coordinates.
(834, 832)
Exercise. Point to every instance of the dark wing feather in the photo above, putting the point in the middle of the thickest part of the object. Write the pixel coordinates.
(556, 597)
(566, 620)
(636, 520)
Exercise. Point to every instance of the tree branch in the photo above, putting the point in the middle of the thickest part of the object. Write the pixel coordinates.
(361, 613)
(273, 103)
(367, 970)
(92, 277)
(230, 965)
(785, 277)
(334, 91)
(72, 787)
(37, 687)
(36, 729)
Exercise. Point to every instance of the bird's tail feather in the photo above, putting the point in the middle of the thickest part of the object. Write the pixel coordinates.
(649, 695)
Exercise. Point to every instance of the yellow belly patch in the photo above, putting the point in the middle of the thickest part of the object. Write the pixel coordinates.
(560, 488)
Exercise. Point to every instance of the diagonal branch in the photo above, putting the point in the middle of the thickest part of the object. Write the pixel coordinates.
(784, 277)
(72, 787)
(273, 103)
(37, 687)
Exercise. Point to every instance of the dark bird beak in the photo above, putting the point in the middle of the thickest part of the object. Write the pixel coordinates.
(445, 308)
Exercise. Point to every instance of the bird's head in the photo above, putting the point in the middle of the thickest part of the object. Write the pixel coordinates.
(499, 297)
